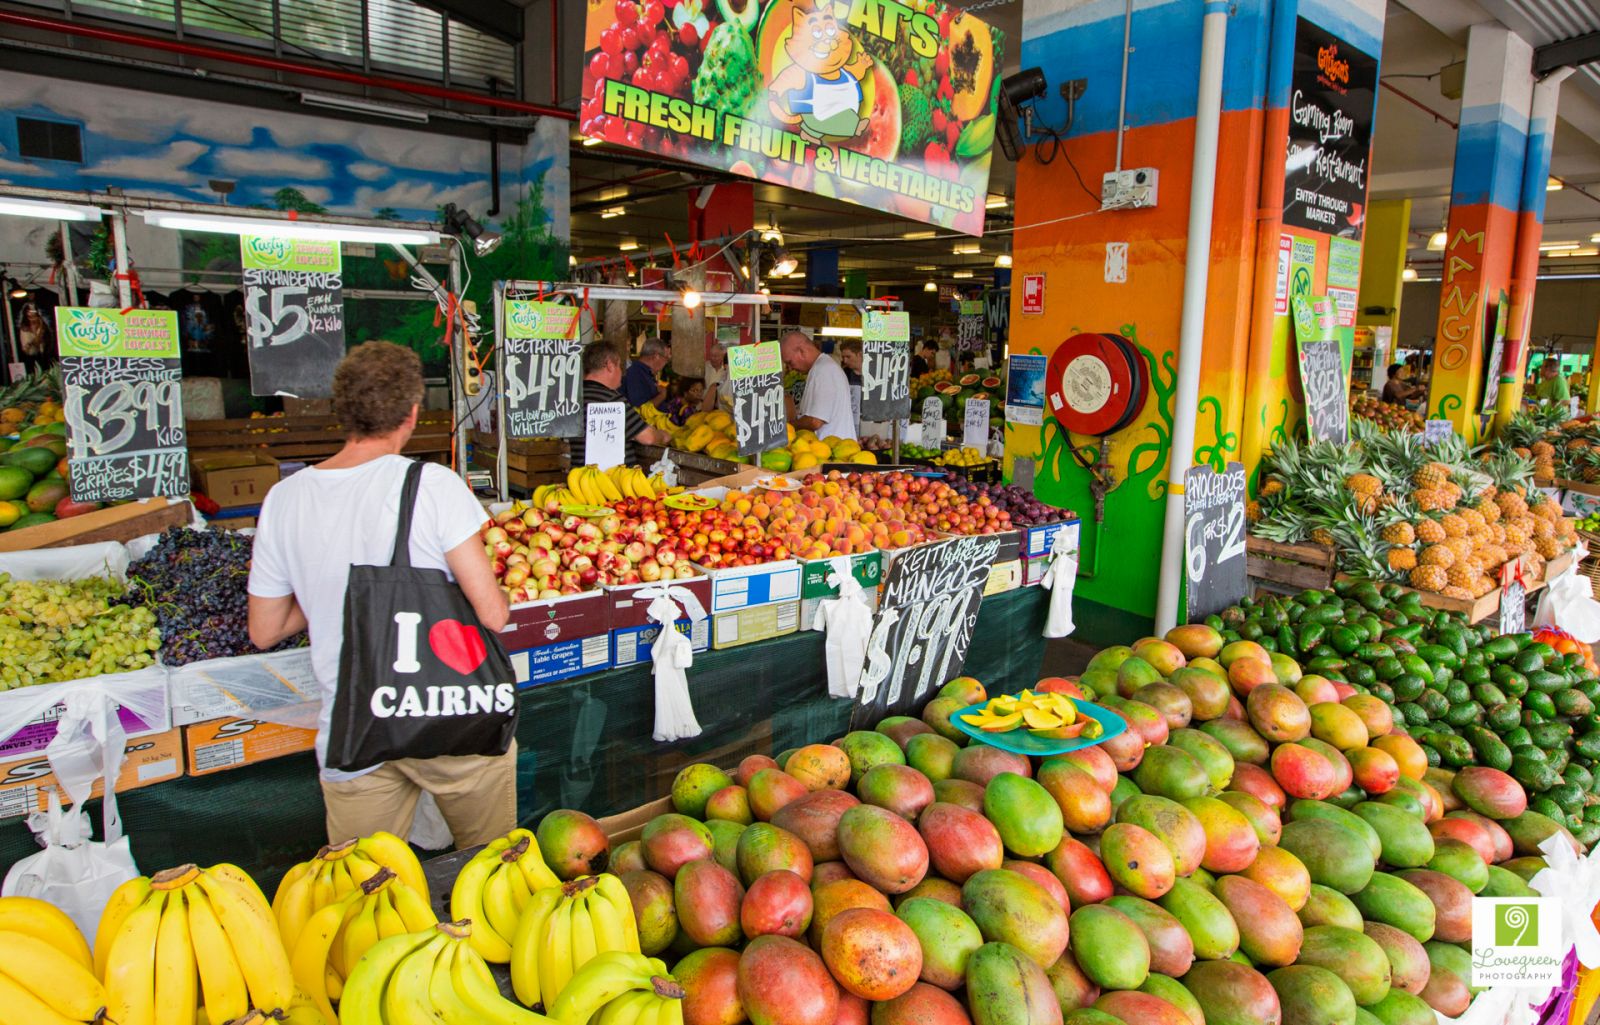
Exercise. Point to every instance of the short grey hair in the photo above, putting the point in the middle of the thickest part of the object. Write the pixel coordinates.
(797, 333)
(654, 346)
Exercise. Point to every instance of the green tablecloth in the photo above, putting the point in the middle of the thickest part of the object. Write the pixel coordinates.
(584, 743)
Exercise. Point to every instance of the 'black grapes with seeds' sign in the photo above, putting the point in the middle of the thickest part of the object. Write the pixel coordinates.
(923, 625)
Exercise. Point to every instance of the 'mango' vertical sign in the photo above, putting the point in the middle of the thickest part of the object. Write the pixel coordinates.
(877, 102)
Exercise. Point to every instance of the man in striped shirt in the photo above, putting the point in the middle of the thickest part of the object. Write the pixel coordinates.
(602, 381)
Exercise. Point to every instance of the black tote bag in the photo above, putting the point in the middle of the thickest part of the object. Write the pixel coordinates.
(419, 676)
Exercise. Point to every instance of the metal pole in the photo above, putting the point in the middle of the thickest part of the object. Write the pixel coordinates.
(458, 395)
(500, 461)
(1122, 97)
(69, 269)
(11, 326)
(1191, 334)
(119, 246)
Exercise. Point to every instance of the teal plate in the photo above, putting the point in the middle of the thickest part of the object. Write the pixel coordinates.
(1023, 742)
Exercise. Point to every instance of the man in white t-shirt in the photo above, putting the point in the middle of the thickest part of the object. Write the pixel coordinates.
(343, 512)
(825, 408)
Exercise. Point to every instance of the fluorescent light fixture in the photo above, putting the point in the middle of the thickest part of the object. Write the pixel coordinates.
(1554, 184)
(627, 245)
(967, 248)
(927, 266)
(995, 201)
(1551, 247)
(613, 192)
(49, 209)
(961, 275)
(592, 140)
(1585, 251)
(840, 332)
(765, 290)
(612, 211)
(18, 292)
(1409, 274)
(914, 236)
(930, 287)
(322, 230)
(356, 105)
(1438, 240)
(691, 299)
(1003, 260)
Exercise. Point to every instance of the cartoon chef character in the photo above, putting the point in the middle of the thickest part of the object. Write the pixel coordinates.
(820, 93)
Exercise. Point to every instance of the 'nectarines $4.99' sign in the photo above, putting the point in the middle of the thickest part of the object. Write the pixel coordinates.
(887, 104)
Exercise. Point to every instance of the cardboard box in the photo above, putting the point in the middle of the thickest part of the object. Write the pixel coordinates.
(234, 479)
(867, 568)
(154, 758)
(740, 587)
(1003, 576)
(630, 645)
(1036, 541)
(232, 523)
(559, 637)
(1033, 570)
(754, 623)
(145, 688)
(633, 631)
(223, 744)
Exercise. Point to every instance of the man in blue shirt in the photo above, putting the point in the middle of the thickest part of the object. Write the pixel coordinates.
(642, 383)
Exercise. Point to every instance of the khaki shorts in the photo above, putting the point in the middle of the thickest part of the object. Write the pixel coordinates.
(476, 795)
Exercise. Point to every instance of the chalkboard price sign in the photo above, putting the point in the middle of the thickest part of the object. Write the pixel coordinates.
(885, 365)
(122, 390)
(755, 373)
(971, 325)
(1214, 564)
(923, 625)
(294, 314)
(544, 370)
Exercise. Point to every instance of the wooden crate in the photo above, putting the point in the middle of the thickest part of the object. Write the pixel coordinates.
(308, 437)
(1296, 567)
(693, 467)
(530, 462)
(118, 523)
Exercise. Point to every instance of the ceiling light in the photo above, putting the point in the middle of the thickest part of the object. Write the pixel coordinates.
(771, 233)
(18, 292)
(1409, 274)
(691, 299)
(1551, 247)
(967, 248)
(627, 245)
(930, 287)
(783, 264)
(927, 266)
(462, 224)
(49, 209)
(840, 332)
(355, 105)
(1585, 251)
(961, 275)
(591, 140)
(913, 236)
(744, 268)
(765, 290)
(1554, 184)
(995, 201)
(1003, 260)
(572, 261)
(285, 228)
(1438, 240)
(612, 211)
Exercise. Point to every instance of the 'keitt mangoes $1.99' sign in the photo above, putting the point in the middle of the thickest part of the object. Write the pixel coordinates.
(122, 392)
(886, 104)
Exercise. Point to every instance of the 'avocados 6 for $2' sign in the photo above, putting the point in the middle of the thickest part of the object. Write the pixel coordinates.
(887, 104)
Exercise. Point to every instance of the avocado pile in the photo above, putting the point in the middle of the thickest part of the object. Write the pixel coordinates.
(32, 489)
(1467, 696)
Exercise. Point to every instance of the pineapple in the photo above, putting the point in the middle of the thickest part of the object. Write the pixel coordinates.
(1252, 511)
(1488, 510)
(1322, 536)
(1429, 578)
(1431, 477)
(1402, 558)
(1365, 489)
(1430, 531)
(1454, 526)
(1547, 546)
(1399, 531)
(1463, 572)
(1432, 499)
(1458, 592)
(1438, 555)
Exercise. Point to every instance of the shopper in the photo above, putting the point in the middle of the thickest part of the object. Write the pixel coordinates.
(849, 356)
(1552, 389)
(1399, 389)
(684, 397)
(924, 361)
(602, 381)
(642, 381)
(717, 392)
(824, 407)
(341, 513)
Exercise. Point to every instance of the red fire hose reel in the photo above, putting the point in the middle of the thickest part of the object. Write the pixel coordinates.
(1095, 384)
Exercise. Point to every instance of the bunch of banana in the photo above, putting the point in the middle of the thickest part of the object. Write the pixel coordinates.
(618, 988)
(337, 871)
(564, 928)
(433, 977)
(336, 937)
(656, 418)
(495, 887)
(46, 973)
(190, 937)
(586, 485)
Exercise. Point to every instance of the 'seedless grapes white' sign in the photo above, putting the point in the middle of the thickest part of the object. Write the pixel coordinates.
(543, 369)
(122, 393)
(294, 314)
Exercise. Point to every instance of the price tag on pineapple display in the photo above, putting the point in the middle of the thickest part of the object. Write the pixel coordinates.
(755, 376)
(122, 390)
(1513, 599)
(543, 369)
(293, 314)
(975, 429)
(1326, 391)
(604, 423)
(1435, 431)
(1214, 546)
(970, 326)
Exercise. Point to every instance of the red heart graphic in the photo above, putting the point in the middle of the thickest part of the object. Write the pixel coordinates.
(458, 645)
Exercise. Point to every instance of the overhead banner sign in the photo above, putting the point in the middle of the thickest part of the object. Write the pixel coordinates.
(1332, 96)
(122, 392)
(882, 104)
(294, 314)
(544, 373)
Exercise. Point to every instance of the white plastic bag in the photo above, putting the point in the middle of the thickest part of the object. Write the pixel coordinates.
(74, 562)
(672, 653)
(1059, 580)
(1568, 604)
(848, 622)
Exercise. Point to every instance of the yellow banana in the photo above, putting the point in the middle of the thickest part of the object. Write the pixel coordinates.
(592, 487)
(625, 1010)
(476, 987)
(53, 976)
(466, 902)
(610, 888)
(444, 999)
(241, 880)
(342, 883)
(405, 1001)
(501, 912)
(517, 884)
(363, 1001)
(361, 867)
(644, 484)
(309, 963)
(256, 946)
(296, 903)
(131, 966)
(413, 909)
(528, 946)
(525, 847)
(606, 922)
(396, 855)
(177, 985)
(322, 887)
(334, 983)
(671, 1011)
(608, 483)
(43, 920)
(555, 954)
(583, 941)
(123, 900)
(290, 877)
(606, 977)
(359, 934)
(389, 921)
(19, 1006)
(574, 478)
(222, 984)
